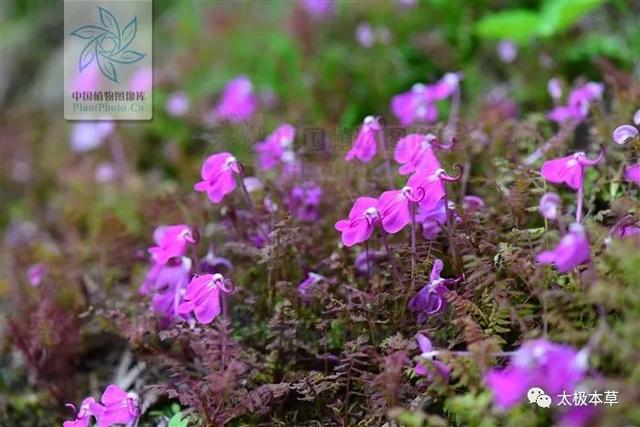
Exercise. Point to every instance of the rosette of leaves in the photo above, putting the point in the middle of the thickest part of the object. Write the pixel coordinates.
(108, 44)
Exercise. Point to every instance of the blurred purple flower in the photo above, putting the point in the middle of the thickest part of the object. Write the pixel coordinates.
(554, 87)
(579, 101)
(362, 219)
(141, 80)
(417, 105)
(367, 260)
(166, 284)
(213, 264)
(105, 172)
(86, 136)
(569, 169)
(307, 288)
(632, 173)
(538, 363)
(318, 9)
(427, 352)
(415, 152)
(578, 416)
(624, 133)
(87, 80)
(434, 220)
(572, 250)
(274, 148)
(365, 146)
(238, 102)
(305, 201)
(118, 407)
(636, 118)
(36, 273)
(218, 176)
(203, 297)
(364, 35)
(177, 104)
(430, 299)
(471, 204)
(171, 241)
(550, 205)
(507, 51)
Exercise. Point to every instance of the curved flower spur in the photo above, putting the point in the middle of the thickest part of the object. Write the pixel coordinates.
(430, 299)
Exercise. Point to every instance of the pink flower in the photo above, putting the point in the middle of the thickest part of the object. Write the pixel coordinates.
(414, 106)
(304, 201)
(568, 169)
(471, 203)
(431, 184)
(118, 407)
(394, 208)
(141, 80)
(238, 103)
(36, 273)
(365, 145)
(84, 414)
(624, 133)
(318, 9)
(414, 152)
(364, 35)
(539, 363)
(86, 136)
(171, 241)
(550, 205)
(272, 150)
(203, 297)
(362, 218)
(218, 176)
(632, 173)
(554, 87)
(572, 250)
(427, 352)
(444, 88)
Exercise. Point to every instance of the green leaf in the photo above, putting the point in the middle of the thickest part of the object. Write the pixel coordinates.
(518, 25)
(177, 421)
(559, 15)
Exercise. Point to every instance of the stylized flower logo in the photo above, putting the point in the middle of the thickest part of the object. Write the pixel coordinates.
(108, 44)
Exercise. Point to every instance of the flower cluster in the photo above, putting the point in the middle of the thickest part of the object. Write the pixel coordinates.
(116, 407)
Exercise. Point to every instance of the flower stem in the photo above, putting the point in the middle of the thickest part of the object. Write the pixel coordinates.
(396, 275)
(452, 247)
(385, 155)
(252, 208)
(579, 207)
(413, 243)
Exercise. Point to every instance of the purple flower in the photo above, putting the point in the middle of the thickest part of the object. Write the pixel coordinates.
(308, 288)
(395, 210)
(105, 172)
(572, 250)
(89, 135)
(414, 152)
(550, 205)
(177, 104)
(507, 51)
(238, 103)
(87, 80)
(213, 264)
(624, 133)
(166, 283)
(365, 146)
(538, 363)
(471, 203)
(171, 241)
(434, 220)
(554, 87)
(304, 201)
(578, 104)
(632, 173)
(84, 414)
(118, 407)
(273, 150)
(568, 169)
(414, 106)
(366, 260)
(430, 299)
(361, 222)
(364, 35)
(427, 352)
(318, 9)
(218, 176)
(636, 118)
(36, 273)
(203, 297)
(430, 184)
